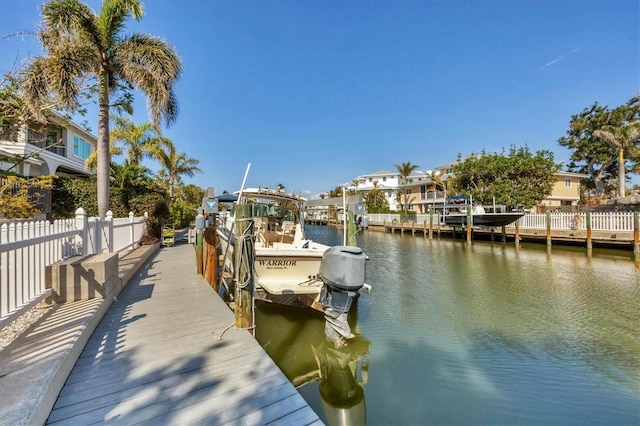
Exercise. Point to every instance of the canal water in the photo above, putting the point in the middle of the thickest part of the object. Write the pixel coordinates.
(453, 334)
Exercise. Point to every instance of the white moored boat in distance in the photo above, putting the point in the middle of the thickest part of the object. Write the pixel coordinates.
(291, 269)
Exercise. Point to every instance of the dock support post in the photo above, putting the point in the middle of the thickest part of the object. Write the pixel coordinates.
(548, 218)
(517, 235)
(636, 236)
(211, 263)
(589, 241)
(199, 244)
(243, 267)
(430, 224)
(504, 234)
(469, 225)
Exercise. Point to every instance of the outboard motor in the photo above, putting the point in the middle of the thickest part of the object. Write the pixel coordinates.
(342, 273)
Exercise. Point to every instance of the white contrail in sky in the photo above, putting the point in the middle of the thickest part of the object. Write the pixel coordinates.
(559, 58)
(552, 62)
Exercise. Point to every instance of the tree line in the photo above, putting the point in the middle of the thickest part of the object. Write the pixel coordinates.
(89, 57)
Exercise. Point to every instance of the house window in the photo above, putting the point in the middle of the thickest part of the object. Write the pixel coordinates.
(370, 179)
(448, 171)
(50, 139)
(408, 191)
(81, 148)
(384, 178)
(567, 182)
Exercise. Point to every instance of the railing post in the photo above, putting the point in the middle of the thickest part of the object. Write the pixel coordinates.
(108, 232)
(132, 232)
(81, 225)
(144, 225)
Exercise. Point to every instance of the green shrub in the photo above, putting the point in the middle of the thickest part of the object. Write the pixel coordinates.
(181, 213)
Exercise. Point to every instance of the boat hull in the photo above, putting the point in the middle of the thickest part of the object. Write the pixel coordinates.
(483, 219)
(286, 276)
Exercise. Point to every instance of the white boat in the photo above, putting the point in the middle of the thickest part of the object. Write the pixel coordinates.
(289, 268)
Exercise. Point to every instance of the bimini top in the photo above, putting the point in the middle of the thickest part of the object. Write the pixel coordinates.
(270, 194)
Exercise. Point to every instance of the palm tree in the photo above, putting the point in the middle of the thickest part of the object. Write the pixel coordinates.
(84, 46)
(623, 139)
(140, 141)
(375, 199)
(175, 165)
(129, 175)
(405, 170)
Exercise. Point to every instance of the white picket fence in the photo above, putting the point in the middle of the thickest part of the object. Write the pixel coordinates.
(600, 221)
(26, 249)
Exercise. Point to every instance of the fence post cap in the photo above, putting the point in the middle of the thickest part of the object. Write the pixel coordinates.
(80, 212)
(109, 213)
(130, 214)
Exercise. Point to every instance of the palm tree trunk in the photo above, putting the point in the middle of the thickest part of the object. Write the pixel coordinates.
(102, 148)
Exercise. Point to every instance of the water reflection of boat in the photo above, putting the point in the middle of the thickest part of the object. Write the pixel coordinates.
(295, 340)
(291, 269)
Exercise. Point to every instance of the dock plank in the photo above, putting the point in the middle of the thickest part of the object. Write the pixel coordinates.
(156, 358)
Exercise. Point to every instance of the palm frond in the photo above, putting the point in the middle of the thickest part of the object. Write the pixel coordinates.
(152, 66)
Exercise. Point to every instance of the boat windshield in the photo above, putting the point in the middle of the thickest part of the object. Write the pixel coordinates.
(286, 212)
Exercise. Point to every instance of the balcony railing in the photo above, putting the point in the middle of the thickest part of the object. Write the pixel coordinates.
(48, 146)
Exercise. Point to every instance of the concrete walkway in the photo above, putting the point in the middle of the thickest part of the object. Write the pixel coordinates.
(154, 358)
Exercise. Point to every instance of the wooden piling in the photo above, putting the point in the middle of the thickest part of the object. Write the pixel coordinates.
(211, 259)
(589, 241)
(636, 235)
(430, 224)
(548, 218)
(469, 225)
(244, 270)
(517, 235)
(199, 250)
(504, 233)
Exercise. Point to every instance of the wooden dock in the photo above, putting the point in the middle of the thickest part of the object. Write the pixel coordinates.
(611, 239)
(166, 352)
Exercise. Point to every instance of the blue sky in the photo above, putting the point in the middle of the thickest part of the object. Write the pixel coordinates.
(314, 93)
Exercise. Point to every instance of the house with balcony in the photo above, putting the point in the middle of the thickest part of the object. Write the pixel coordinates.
(430, 189)
(386, 180)
(58, 148)
(433, 191)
